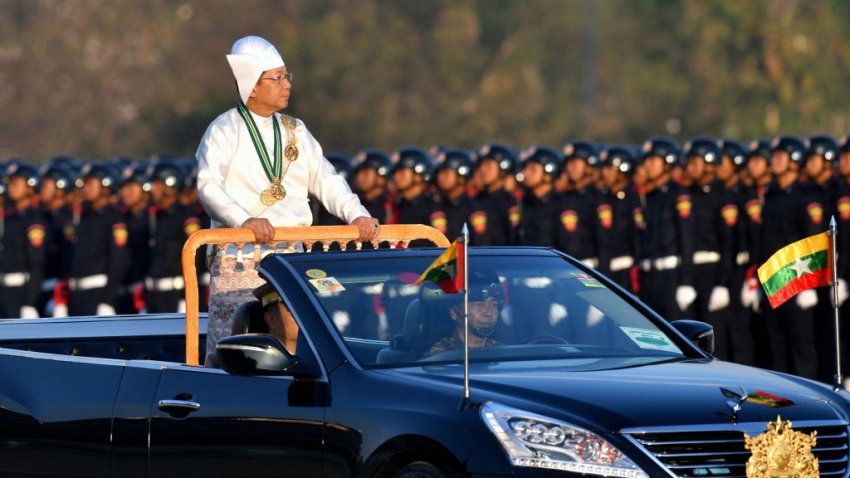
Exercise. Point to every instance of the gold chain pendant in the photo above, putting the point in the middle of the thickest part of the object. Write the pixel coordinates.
(277, 190)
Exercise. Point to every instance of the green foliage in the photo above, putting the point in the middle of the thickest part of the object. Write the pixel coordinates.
(98, 78)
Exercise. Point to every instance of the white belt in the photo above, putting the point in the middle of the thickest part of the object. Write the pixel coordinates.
(622, 263)
(590, 262)
(89, 282)
(661, 264)
(706, 257)
(14, 279)
(164, 284)
(743, 258)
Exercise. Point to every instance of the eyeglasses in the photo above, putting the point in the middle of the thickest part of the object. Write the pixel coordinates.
(278, 79)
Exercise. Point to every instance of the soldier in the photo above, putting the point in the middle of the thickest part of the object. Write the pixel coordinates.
(540, 206)
(58, 182)
(23, 241)
(576, 234)
(189, 200)
(171, 224)
(822, 186)
(134, 193)
(843, 220)
(412, 172)
(715, 216)
(100, 253)
(497, 217)
(617, 214)
(371, 169)
(667, 238)
(729, 174)
(790, 214)
(454, 206)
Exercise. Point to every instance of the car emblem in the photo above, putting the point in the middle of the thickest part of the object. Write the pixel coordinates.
(782, 451)
(734, 404)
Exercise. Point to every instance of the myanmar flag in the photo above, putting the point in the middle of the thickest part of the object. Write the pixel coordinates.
(447, 270)
(805, 264)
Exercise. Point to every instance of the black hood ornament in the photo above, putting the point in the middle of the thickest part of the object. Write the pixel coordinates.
(737, 400)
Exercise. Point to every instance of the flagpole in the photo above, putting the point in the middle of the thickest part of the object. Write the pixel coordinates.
(464, 239)
(833, 262)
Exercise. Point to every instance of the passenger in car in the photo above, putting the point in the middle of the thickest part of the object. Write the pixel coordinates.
(485, 304)
(278, 317)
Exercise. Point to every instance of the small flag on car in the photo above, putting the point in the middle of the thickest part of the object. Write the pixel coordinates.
(799, 266)
(447, 270)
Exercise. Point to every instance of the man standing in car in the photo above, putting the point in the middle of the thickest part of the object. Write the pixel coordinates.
(256, 167)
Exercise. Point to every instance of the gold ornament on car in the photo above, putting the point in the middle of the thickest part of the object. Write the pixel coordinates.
(782, 452)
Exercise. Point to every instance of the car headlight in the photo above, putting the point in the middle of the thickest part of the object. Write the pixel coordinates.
(536, 441)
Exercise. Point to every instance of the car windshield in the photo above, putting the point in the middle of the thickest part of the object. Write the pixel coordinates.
(521, 307)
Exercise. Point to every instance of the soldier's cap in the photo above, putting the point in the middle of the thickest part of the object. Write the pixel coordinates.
(267, 295)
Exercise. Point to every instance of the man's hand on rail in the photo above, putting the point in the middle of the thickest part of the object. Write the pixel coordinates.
(368, 228)
(262, 228)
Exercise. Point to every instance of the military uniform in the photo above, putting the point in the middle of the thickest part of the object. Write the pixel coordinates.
(455, 343)
(789, 215)
(617, 215)
(58, 253)
(22, 261)
(100, 260)
(538, 225)
(164, 286)
(666, 248)
(496, 218)
(576, 227)
(138, 249)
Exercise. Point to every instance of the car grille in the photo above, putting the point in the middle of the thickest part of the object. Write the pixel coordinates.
(721, 452)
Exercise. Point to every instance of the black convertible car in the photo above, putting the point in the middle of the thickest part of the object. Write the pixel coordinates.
(570, 376)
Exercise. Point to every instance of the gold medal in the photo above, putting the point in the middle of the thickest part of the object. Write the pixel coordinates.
(277, 191)
(290, 152)
(267, 197)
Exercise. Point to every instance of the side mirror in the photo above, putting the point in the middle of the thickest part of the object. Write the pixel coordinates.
(258, 354)
(700, 333)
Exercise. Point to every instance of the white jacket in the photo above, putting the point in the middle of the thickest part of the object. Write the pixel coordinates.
(231, 177)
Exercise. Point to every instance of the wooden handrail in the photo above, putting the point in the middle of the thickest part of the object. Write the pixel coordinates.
(395, 235)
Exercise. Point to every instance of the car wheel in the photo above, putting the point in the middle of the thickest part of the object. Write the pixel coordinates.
(420, 469)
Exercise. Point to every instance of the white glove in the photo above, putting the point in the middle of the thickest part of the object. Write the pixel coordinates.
(748, 295)
(685, 296)
(29, 312)
(60, 310)
(719, 299)
(105, 309)
(807, 299)
(181, 306)
(594, 315)
(843, 293)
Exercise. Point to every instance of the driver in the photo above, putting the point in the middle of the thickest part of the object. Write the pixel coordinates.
(485, 304)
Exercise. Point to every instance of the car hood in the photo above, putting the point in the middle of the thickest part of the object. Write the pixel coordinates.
(671, 394)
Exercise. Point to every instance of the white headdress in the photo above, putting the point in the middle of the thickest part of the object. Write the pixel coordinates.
(249, 58)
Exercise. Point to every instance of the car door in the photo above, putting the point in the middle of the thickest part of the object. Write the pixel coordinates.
(56, 414)
(206, 423)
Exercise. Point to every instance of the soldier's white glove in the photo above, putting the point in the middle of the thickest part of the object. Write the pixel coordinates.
(685, 296)
(29, 312)
(719, 299)
(105, 309)
(807, 299)
(843, 293)
(60, 310)
(749, 295)
(594, 315)
(181, 306)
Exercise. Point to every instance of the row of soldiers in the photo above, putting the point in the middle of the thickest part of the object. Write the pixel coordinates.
(682, 226)
(685, 227)
(96, 238)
